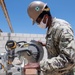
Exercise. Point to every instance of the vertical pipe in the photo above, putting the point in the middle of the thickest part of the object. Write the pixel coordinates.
(2, 3)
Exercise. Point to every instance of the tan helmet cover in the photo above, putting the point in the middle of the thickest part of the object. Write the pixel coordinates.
(35, 9)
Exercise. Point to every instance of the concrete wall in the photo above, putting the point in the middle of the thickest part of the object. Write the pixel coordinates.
(18, 37)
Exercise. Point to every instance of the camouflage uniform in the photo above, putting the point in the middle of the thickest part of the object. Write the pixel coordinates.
(61, 49)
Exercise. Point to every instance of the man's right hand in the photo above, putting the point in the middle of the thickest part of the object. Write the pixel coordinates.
(43, 44)
(40, 42)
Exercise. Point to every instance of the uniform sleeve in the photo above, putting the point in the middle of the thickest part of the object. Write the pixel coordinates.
(67, 51)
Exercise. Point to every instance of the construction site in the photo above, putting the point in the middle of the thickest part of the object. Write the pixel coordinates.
(18, 37)
(19, 49)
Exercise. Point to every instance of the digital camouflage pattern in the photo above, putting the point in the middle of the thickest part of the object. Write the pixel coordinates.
(60, 44)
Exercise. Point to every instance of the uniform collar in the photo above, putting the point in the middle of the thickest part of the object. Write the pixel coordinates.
(50, 29)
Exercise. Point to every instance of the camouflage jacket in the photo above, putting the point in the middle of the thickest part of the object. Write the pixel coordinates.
(60, 44)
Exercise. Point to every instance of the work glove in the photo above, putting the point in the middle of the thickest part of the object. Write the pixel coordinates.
(39, 42)
(43, 44)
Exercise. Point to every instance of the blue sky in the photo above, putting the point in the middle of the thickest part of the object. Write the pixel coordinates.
(21, 23)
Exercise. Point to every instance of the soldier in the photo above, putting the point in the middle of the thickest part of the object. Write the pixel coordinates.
(59, 40)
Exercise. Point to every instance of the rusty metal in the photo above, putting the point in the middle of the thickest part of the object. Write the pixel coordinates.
(2, 3)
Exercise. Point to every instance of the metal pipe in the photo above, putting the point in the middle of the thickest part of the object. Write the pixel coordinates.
(2, 3)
